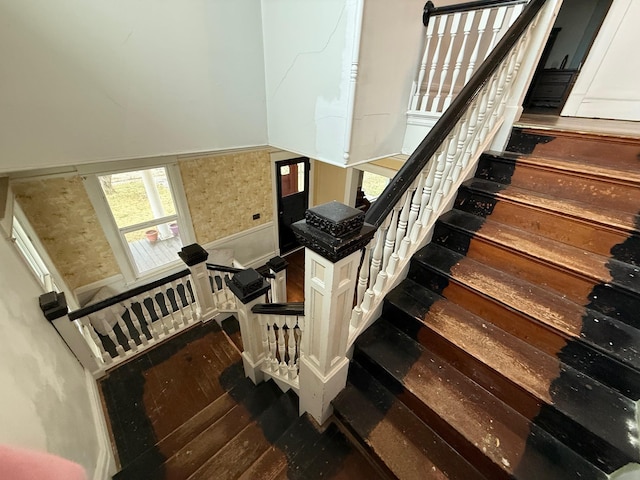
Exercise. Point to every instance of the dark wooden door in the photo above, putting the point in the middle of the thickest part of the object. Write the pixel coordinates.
(292, 179)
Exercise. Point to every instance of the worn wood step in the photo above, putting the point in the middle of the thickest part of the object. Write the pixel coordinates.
(200, 448)
(250, 443)
(619, 189)
(597, 150)
(599, 217)
(586, 278)
(394, 434)
(580, 233)
(537, 304)
(539, 386)
(493, 437)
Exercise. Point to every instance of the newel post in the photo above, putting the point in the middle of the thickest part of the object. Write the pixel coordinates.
(250, 288)
(334, 235)
(278, 267)
(54, 308)
(196, 259)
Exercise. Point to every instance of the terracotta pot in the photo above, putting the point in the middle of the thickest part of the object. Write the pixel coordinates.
(152, 235)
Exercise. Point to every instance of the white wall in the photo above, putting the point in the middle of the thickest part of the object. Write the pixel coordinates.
(308, 49)
(608, 86)
(87, 81)
(44, 402)
(390, 49)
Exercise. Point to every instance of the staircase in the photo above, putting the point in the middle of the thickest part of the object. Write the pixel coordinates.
(185, 411)
(512, 348)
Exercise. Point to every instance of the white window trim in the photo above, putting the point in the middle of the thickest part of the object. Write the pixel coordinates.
(42, 254)
(123, 256)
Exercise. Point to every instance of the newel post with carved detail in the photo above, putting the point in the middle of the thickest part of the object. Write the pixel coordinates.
(250, 288)
(195, 257)
(333, 235)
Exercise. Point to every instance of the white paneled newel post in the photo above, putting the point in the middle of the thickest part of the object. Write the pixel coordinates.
(195, 257)
(250, 288)
(278, 268)
(334, 235)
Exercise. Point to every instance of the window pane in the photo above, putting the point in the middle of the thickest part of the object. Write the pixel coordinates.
(292, 178)
(138, 196)
(155, 246)
(373, 185)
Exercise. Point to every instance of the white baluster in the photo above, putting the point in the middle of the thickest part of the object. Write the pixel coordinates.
(86, 323)
(452, 150)
(214, 287)
(462, 138)
(514, 13)
(180, 304)
(442, 24)
(102, 318)
(415, 101)
(175, 323)
(363, 277)
(389, 240)
(425, 208)
(456, 69)
(482, 26)
(280, 321)
(147, 318)
(455, 23)
(273, 346)
(159, 314)
(291, 323)
(264, 335)
(115, 311)
(501, 13)
(376, 258)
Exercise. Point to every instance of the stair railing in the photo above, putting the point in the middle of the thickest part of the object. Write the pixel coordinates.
(114, 330)
(281, 328)
(352, 261)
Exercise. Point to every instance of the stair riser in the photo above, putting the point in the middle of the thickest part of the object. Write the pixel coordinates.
(555, 226)
(593, 149)
(600, 445)
(582, 357)
(557, 183)
(610, 299)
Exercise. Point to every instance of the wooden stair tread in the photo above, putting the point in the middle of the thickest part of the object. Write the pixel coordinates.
(538, 304)
(573, 166)
(478, 425)
(399, 439)
(578, 262)
(248, 445)
(522, 365)
(597, 216)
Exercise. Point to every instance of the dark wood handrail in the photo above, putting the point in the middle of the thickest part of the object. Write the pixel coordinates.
(89, 309)
(431, 10)
(392, 194)
(291, 308)
(223, 268)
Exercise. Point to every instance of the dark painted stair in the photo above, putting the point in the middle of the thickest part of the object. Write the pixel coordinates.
(512, 349)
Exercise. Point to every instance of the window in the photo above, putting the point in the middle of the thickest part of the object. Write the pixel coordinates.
(373, 185)
(143, 206)
(25, 246)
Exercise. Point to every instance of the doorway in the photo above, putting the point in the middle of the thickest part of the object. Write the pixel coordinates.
(292, 182)
(573, 34)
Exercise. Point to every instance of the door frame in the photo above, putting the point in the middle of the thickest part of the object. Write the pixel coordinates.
(278, 156)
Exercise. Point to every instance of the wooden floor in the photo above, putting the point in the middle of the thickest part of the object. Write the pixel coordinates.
(184, 410)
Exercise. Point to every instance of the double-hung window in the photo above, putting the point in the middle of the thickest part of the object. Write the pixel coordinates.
(147, 225)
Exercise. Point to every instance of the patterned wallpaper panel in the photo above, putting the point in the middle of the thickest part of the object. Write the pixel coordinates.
(224, 191)
(60, 212)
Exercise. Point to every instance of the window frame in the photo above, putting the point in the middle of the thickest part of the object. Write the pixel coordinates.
(115, 235)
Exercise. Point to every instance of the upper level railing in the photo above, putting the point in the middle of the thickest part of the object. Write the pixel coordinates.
(458, 38)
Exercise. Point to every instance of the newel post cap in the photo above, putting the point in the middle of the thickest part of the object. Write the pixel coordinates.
(193, 254)
(333, 230)
(248, 285)
(53, 305)
(277, 264)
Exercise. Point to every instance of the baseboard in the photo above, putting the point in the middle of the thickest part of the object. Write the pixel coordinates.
(106, 463)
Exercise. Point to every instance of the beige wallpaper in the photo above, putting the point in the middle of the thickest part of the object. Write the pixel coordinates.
(62, 216)
(329, 183)
(224, 191)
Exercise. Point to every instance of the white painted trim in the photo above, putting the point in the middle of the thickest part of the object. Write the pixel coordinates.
(185, 223)
(595, 57)
(44, 256)
(223, 242)
(106, 463)
(351, 186)
(377, 170)
(358, 14)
